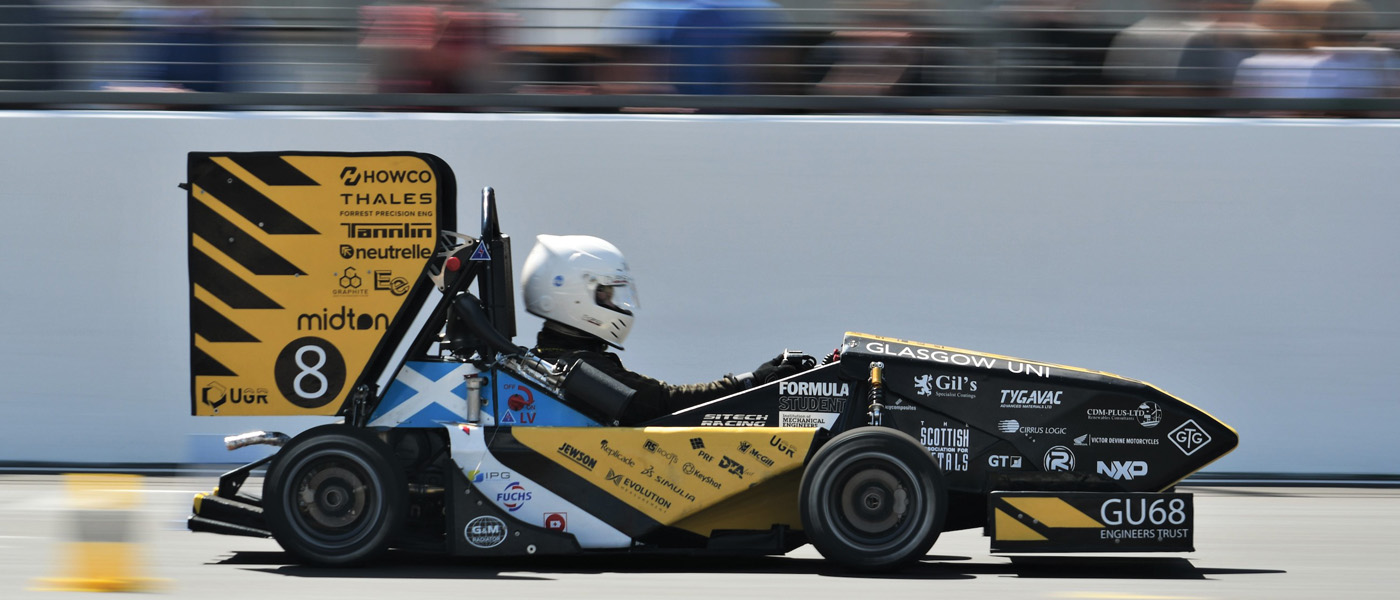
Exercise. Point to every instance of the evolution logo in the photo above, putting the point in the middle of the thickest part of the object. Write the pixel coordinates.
(362, 231)
(1059, 458)
(635, 487)
(345, 319)
(215, 395)
(353, 176)
(1189, 437)
(514, 496)
(1123, 469)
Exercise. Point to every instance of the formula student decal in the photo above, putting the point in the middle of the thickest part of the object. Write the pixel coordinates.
(295, 263)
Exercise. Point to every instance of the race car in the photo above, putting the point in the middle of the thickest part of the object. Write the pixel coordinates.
(455, 440)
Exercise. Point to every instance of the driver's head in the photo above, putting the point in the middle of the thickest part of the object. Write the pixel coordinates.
(582, 282)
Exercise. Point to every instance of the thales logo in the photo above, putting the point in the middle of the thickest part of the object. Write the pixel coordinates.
(352, 176)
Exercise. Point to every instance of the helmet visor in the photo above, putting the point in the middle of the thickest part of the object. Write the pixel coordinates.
(616, 295)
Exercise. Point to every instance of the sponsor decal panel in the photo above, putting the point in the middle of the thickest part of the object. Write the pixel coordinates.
(1148, 414)
(1123, 469)
(949, 356)
(808, 419)
(485, 532)
(1059, 459)
(1036, 399)
(1189, 437)
(734, 420)
(949, 444)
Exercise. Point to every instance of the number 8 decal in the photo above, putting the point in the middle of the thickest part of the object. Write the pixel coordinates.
(310, 372)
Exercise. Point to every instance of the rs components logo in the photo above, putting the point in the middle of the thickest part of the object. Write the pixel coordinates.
(352, 176)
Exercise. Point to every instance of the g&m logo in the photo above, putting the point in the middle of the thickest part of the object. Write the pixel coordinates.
(352, 176)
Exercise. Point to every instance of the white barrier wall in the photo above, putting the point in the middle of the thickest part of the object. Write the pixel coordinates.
(1250, 267)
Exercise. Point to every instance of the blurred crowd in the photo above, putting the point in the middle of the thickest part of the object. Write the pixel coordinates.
(674, 50)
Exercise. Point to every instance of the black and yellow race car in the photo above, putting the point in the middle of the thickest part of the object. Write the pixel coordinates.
(333, 284)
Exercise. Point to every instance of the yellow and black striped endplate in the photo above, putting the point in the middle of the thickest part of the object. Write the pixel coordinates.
(301, 266)
(1034, 522)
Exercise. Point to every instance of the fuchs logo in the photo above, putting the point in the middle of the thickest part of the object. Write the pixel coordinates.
(349, 252)
(352, 176)
(347, 318)
(1189, 437)
(1123, 469)
(578, 456)
(514, 496)
(389, 230)
(215, 395)
(485, 532)
(1059, 458)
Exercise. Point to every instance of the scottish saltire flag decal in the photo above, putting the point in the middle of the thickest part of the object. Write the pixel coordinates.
(427, 394)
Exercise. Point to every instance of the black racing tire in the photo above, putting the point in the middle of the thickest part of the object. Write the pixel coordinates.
(334, 496)
(872, 499)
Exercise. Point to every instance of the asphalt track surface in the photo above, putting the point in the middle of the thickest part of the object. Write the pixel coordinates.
(1265, 542)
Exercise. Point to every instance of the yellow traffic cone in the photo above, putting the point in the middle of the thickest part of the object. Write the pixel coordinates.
(99, 555)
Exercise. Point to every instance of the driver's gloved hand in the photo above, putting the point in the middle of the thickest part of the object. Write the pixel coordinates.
(774, 370)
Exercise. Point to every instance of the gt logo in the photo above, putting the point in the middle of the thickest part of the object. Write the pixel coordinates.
(1123, 469)
(1059, 458)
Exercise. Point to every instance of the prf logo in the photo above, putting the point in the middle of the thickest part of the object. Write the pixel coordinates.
(1059, 458)
(1189, 437)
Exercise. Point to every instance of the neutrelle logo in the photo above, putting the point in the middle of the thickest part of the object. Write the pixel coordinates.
(353, 176)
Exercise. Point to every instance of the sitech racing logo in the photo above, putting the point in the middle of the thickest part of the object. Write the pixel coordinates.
(514, 496)
(1059, 458)
(1123, 469)
(353, 176)
(216, 394)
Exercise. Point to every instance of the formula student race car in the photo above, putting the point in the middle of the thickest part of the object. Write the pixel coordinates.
(333, 284)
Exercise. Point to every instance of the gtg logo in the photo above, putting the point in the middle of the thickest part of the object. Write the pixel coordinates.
(1189, 437)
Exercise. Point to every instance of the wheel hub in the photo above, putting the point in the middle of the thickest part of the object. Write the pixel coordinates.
(332, 498)
(873, 501)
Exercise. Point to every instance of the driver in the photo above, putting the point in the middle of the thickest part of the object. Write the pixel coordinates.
(580, 286)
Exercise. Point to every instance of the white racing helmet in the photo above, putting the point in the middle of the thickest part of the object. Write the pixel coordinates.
(581, 281)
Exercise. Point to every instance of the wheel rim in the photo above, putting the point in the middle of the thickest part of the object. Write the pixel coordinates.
(333, 498)
(875, 502)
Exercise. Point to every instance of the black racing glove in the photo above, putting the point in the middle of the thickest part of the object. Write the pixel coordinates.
(774, 370)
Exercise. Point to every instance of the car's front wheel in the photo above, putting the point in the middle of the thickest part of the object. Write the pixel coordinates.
(872, 499)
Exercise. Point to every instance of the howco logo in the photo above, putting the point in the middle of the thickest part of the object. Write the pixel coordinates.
(352, 176)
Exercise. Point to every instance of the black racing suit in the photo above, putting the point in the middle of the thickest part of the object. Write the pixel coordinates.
(654, 397)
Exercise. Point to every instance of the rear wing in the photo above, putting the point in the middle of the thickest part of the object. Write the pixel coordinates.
(307, 271)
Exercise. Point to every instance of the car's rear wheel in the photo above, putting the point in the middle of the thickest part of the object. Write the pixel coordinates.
(872, 499)
(334, 496)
